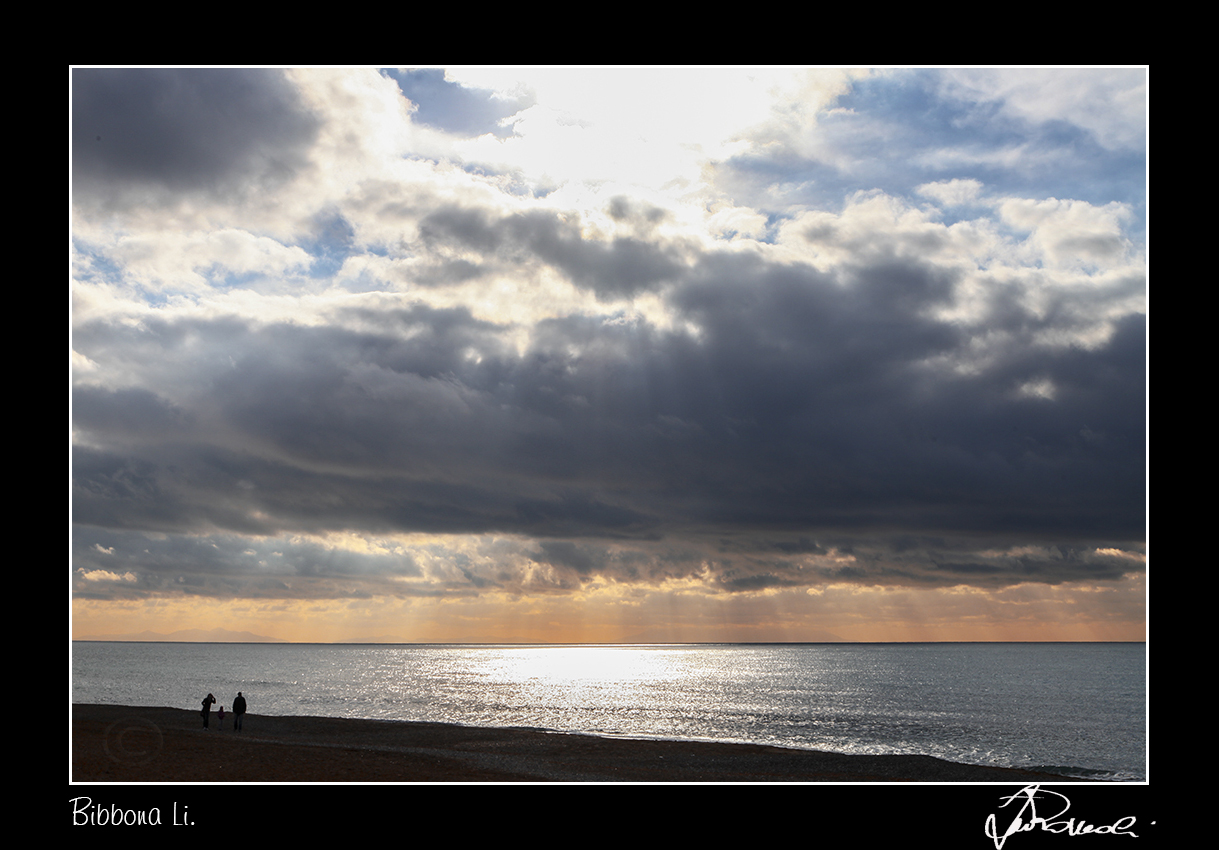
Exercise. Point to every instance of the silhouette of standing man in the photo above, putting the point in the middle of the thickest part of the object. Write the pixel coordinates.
(208, 702)
(238, 711)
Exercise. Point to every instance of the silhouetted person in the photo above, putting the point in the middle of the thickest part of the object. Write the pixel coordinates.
(208, 702)
(238, 711)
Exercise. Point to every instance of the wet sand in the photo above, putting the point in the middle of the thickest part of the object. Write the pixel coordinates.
(113, 743)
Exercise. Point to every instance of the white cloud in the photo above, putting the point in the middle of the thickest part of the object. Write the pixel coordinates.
(106, 575)
(952, 193)
(1070, 234)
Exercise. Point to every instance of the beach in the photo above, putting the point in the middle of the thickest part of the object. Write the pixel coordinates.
(114, 743)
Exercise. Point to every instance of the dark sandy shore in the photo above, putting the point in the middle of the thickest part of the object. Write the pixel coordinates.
(113, 743)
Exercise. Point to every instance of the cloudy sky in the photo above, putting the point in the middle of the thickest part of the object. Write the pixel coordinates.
(609, 354)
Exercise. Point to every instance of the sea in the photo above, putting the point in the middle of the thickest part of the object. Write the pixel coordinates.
(1076, 709)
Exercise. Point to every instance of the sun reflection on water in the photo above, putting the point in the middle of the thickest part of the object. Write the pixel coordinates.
(572, 665)
(593, 683)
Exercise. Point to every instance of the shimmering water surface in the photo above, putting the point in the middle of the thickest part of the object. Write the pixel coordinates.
(1076, 707)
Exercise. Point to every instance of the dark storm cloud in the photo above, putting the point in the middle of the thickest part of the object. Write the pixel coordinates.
(643, 216)
(225, 565)
(455, 108)
(804, 401)
(750, 562)
(564, 553)
(184, 130)
(619, 268)
(128, 413)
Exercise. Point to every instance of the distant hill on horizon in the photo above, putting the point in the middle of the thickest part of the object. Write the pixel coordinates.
(189, 636)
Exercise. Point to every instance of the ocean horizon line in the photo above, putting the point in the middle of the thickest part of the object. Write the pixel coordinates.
(613, 643)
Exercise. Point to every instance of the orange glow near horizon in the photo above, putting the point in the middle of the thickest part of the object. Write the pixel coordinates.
(1111, 612)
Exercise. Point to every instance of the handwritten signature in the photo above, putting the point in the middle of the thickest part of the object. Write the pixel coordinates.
(1027, 819)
